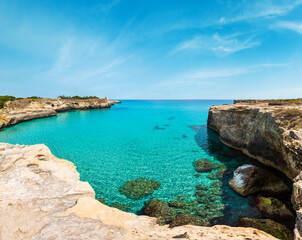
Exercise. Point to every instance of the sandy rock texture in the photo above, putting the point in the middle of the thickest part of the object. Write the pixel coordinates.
(41, 197)
(22, 110)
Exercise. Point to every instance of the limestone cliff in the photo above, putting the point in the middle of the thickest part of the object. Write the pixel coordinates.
(22, 110)
(269, 133)
(41, 197)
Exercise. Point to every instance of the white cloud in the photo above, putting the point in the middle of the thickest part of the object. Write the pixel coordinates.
(295, 26)
(206, 76)
(262, 9)
(220, 45)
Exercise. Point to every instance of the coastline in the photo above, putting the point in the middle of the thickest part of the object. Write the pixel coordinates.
(79, 206)
(42, 198)
(22, 110)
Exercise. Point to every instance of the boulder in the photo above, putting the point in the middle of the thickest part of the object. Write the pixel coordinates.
(202, 166)
(274, 208)
(139, 188)
(271, 227)
(249, 179)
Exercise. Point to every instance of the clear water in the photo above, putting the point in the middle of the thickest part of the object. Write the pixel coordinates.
(152, 139)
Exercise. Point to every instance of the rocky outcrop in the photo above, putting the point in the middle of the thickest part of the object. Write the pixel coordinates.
(41, 197)
(22, 110)
(271, 134)
(269, 131)
(249, 179)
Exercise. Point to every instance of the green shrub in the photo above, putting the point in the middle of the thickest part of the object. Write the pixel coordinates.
(78, 97)
(4, 99)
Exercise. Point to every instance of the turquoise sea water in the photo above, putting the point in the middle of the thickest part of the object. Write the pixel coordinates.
(158, 140)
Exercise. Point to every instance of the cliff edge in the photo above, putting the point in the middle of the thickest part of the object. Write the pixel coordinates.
(21, 110)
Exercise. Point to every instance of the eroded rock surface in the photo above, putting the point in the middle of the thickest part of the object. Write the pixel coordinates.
(269, 133)
(41, 197)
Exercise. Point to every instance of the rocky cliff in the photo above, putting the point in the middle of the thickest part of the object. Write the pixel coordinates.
(269, 133)
(22, 110)
(41, 197)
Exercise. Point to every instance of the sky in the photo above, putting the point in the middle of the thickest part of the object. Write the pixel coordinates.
(159, 49)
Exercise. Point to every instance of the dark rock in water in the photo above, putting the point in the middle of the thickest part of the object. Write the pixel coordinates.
(217, 175)
(166, 125)
(228, 153)
(181, 198)
(204, 200)
(159, 209)
(171, 118)
(102, 200)
(177, 204)
(202, 166)
(195, 127)
(185, 219)
(139, 188)
(216, 184)
(184, 136)
(158, 128)
(200, 194)
(249, 179)
(215, 191)
(274, 208)
(213, 198)
(121, 206)
(197, 175)
(269, 226)
(201, 187)
(184, 235)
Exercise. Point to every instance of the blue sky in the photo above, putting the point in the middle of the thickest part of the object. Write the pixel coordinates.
(159, 49)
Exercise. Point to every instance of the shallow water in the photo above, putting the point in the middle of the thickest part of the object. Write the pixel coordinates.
(158, 140)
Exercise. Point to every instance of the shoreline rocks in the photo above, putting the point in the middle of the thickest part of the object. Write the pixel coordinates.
(249, 179)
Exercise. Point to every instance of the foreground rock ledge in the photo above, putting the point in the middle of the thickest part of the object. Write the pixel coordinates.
(41, 197)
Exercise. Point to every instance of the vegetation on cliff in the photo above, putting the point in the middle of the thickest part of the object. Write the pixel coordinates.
(77, 97)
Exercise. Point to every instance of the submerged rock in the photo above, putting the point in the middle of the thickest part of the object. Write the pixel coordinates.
(216, 175)
(249, 179)
(202, 166)
(197, 175)
(177, 204)
(273, 208)
(201, 187)
(159, 209)
(276, 229)
(139, 188)
(121, 206)
(188, 219)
